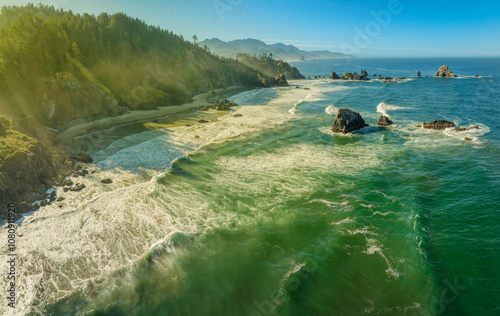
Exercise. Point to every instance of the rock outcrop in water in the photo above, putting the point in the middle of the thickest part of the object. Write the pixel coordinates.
(438, 125)
(443, 72)
(419, 74)
(333, 75)
(347, 121)
(463, 129)
(349, 76)
(384, 121)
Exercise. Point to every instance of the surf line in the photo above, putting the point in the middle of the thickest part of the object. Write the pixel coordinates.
(11, 255)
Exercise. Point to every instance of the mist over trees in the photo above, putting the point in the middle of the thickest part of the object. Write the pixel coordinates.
(59, 66)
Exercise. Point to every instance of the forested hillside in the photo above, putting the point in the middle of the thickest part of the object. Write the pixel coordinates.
(268, 65)
(59, 66)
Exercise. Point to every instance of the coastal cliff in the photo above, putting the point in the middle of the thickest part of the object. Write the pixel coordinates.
(29, 164)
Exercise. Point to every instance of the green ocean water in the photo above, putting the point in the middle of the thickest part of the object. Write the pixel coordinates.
(276, 215)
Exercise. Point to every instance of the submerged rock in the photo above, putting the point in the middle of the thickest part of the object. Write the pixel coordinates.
(107, 181)
(333, 75)
(384, 121)
(438, 124)
(463, 129)
(444, 72)
(347, 121)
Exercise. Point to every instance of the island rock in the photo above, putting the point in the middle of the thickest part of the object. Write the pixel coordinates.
(333, 75)
(347, 121)
(438, 125)
(384, 121)
(444, 72)
(419, 74)
(348, 76)
(363, 75)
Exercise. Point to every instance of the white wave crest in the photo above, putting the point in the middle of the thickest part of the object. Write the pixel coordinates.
(384, 107)
(331, 110)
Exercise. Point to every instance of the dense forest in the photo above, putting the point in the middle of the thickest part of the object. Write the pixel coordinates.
(268, 65)
(58, 66)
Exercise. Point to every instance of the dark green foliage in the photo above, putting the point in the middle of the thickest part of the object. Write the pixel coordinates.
(60, 66)
(270, 66)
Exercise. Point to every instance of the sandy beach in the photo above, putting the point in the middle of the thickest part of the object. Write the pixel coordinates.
(199, 101)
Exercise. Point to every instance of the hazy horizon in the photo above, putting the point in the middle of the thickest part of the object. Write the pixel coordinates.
(366, 29)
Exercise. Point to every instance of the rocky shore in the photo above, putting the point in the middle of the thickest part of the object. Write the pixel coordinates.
(35, 158)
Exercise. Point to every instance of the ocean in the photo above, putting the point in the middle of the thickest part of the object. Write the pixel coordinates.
(271, 213)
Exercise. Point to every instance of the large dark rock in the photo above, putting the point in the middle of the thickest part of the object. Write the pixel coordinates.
(419, 74)
(348, 76)
(363, 75)
(463, 129)
(347, 121)
(281, 79)
(384, 121)
(444, 72)
(82, 157)
(333, 75)
(438, 125)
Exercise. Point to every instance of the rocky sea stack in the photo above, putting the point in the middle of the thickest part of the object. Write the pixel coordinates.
(384, 121)
(347, 121)
(333, 75)
(443, 72)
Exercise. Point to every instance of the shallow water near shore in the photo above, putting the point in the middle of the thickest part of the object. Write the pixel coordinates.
(270, 213)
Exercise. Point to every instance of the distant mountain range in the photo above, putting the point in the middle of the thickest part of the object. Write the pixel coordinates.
(254, 46)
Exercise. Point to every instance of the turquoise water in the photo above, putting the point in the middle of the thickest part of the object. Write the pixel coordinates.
(273, 214)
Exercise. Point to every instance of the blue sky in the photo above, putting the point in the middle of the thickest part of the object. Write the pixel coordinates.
(368, 28)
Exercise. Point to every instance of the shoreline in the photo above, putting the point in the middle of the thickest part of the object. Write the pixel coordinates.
(199, 101)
